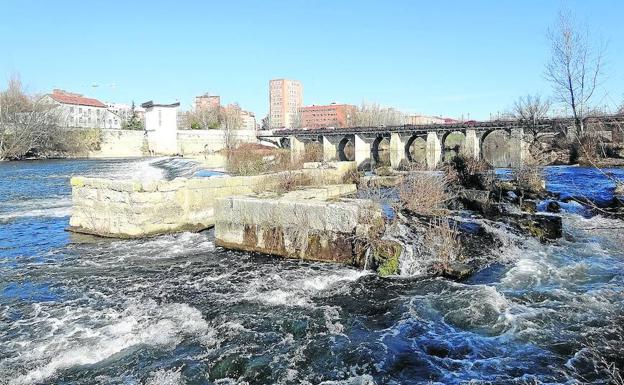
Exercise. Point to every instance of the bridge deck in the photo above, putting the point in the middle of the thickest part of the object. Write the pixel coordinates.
(544, 124)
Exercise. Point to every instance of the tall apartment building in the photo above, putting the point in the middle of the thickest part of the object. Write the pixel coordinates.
(285, 100)
(332, 115)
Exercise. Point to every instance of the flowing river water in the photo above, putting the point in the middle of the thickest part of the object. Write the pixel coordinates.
(175, 309)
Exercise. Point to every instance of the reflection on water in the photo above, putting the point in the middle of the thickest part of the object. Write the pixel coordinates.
(496, 149)
(77, 309)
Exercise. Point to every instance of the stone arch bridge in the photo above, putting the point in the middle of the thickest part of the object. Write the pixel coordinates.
(366, 141)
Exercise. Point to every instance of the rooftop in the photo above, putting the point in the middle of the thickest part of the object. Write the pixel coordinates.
(65, 97)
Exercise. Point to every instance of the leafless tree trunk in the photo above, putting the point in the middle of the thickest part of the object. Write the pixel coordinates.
(231, 121)
(26, 122)
(296, 120)
(574, 68)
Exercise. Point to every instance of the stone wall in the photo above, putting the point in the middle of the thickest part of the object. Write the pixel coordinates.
(308, 224)
(133, 208)
(209, 141)
(121, 144)
(131, 143)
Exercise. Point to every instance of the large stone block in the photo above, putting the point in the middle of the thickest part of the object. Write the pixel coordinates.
(298, 224)
(131, 208)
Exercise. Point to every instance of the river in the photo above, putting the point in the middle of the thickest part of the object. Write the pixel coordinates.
(175, 309)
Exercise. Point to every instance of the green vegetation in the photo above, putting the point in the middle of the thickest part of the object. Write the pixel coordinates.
(134, 122)
(386, 256)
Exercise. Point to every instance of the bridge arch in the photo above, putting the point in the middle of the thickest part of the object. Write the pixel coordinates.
(380, 151)
(453, 144)
(416, 149)
(495, 149)
(284, 142)
(346, 149)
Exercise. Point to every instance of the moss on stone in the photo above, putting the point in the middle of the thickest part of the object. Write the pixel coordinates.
(386, 255)
(390, 267)
(535, 231)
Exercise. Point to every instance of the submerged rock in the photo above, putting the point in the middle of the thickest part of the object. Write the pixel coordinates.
(541, 226)
(458, 270)
(456, 252)
(553, 207)
(529, 205)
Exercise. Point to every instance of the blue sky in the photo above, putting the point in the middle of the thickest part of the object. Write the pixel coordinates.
(436, 57)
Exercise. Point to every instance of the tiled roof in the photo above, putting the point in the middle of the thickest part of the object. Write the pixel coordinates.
(77, 99)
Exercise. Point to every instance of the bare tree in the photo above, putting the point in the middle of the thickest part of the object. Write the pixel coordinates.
(231, 120)
(26, 123)
(265, 123)
(204, 118)
(230, 117)
(530, 110)
(373, 115)
(574, 68)
(296, 121)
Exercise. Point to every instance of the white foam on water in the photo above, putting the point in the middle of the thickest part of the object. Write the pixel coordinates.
(282, 298)
(332, 317)
(166, 377)
(357, 380)
(142, 170)
(88, 336)
(322, 282)
(45, 207)
(299, 292)
(164, 246)
(476, 307)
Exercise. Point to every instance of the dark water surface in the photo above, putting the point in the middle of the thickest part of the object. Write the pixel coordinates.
(177, 310)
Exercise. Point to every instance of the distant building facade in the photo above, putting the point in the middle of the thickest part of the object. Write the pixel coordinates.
(332, 115)
(161, 124)
(424, 119)
(124, 111)
(247, 118)
(207, 101)
(79, 111)
(285, 100)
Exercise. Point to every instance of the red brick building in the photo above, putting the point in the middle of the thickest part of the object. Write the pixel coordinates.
(332, 115)
(207, 101)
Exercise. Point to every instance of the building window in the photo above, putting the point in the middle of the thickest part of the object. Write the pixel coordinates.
(159, 118)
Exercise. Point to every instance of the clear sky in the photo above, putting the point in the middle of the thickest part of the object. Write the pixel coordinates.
(434, 57)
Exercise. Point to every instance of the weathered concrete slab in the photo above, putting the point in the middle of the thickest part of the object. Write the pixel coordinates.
(135, 209)
(306, 224)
